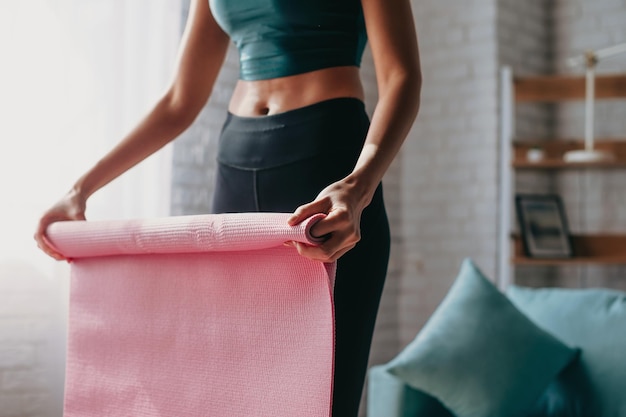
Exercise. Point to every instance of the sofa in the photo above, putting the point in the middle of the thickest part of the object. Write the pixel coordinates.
(525, 353)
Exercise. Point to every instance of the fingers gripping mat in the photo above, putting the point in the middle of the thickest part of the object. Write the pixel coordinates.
(196, 316)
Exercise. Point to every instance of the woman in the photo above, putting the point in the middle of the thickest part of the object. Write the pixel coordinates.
(296, 138)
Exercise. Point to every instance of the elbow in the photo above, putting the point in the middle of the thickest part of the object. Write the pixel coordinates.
(405, 86)
(181, 110)
(412, 72)
(404, 78)
(414, 84)
(418, 82)
(411, 81)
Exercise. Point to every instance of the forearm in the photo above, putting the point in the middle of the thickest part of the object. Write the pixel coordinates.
(393, 117)
(159, 127)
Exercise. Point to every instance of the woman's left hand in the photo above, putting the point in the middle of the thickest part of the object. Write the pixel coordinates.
(342, 224)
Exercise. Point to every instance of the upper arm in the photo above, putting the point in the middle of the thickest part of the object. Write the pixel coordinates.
(392, 38)
(201, 55)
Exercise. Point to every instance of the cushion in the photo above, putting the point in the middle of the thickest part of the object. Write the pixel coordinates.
(566, 396)
(594, 320)
(479, 355)
(388, 396)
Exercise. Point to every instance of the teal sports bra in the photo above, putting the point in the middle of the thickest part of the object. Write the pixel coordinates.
(277, 38)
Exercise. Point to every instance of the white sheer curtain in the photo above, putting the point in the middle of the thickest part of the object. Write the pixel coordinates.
(75, 76)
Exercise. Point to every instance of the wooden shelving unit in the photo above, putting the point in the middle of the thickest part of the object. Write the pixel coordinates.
(555, 88)
(555, 149)
(589, 249)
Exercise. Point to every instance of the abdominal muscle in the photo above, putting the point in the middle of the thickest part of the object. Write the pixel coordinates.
(278, 95)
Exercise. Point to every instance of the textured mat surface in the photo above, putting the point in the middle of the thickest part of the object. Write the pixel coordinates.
(196, 316)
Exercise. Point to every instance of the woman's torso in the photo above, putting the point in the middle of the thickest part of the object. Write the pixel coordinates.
(293, 54)
(278, 95)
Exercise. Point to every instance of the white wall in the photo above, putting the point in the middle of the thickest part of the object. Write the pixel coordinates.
(449, 163)
(75, 76)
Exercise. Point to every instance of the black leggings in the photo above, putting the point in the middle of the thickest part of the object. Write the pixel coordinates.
(275, 164)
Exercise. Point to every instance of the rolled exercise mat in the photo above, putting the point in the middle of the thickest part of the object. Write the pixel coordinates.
(196, 316)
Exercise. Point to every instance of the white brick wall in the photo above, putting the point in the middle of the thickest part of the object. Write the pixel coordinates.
(385, 342)
(449, 162)
(194, 151)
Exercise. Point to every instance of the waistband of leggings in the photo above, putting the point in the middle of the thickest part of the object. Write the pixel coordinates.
(336, 126)
(309, 113)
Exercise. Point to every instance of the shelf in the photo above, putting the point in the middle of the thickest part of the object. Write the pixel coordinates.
(596, 249)
(554, 88)
(589, 249)
(555, 149)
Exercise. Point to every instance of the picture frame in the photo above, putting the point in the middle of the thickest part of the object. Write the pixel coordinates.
(543, 226)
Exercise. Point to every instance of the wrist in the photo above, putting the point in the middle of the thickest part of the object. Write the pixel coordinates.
(362, 186)
(78, 191)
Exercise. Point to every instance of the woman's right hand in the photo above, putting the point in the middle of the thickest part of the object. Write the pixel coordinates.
(70, 207)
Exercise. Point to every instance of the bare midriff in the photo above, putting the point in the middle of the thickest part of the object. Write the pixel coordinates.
(278, 95)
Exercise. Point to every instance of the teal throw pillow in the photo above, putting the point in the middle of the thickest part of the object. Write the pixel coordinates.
(595, 321)
(388, 396)
(479, 355)
(566, 396)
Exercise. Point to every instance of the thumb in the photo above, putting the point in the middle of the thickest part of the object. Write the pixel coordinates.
(307, 210)
(77, 215)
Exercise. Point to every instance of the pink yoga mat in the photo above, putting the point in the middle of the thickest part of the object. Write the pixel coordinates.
(196, 316)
